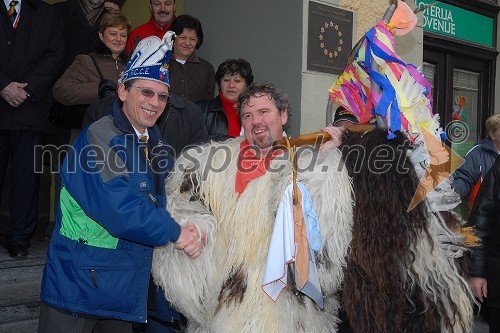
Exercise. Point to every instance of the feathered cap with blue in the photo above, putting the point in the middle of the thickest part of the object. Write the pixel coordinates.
(149, 60)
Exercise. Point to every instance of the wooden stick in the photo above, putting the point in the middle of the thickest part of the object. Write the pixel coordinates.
(320, 137)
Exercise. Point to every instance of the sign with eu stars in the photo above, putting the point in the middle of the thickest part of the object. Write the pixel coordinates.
(329, 38)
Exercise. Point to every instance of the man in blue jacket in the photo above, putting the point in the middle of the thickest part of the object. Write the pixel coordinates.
(112, 208)
(479, 159)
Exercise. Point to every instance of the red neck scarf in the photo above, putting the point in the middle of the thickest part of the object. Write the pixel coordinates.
(233, 119)
(250, 167)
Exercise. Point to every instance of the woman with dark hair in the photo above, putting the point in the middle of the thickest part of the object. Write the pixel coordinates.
(223, 122)
(190, 76)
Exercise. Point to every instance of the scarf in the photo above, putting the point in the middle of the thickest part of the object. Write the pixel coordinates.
(233, 119)
(250, 167)
(91, 13)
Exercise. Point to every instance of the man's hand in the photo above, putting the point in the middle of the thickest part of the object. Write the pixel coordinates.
(479, 287)
(14, 93)
(192, 240)
(335, 133)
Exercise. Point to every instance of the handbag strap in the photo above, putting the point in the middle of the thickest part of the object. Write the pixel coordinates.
(97, 67)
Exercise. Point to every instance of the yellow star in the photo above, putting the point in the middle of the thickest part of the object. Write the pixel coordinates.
(326, 24)
(339, 49)
(336, 27)
(341, 41)
(320, 37)
(335, 54)
(325, 51)
(322, 29)
(340, 33)
(440, 154)
(331, 24)
(330, 55)
(322, 45)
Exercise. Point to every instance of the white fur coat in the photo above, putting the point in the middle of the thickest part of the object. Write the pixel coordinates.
(239, 230)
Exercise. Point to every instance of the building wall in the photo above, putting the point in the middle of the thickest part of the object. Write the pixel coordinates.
(266, 33)
(272, 36)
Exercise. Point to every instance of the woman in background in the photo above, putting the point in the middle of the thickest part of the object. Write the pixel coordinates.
(81, 83)
(233, 76)
(191, 77)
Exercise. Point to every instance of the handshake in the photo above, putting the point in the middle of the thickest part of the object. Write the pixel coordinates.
(192, 240)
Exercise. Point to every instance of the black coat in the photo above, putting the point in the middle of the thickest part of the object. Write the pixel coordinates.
(32, 53)
(485, 217)
(215, 119)
(80, 37)
(181, 124)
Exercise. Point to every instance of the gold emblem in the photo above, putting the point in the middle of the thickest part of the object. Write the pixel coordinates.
(329, 50)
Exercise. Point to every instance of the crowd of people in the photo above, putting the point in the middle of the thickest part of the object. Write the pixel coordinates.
(152, 234)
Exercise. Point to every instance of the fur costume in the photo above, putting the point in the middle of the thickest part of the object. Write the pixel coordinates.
(415, 289)
(400, 274)
(222, 290)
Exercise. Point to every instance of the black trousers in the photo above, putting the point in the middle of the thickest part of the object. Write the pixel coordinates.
(23, 206)
(54, 320)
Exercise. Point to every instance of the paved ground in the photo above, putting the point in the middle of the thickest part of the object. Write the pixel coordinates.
(39, 249)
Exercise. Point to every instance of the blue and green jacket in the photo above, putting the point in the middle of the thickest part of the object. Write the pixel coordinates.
(111, 215)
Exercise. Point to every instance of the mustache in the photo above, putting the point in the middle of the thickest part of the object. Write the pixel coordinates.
(162, 12)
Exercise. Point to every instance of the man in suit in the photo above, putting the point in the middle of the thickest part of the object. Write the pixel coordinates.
(81, 23)
(32, 55)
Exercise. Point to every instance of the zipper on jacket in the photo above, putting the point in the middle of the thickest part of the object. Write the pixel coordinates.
(93, 277)
(153, 199)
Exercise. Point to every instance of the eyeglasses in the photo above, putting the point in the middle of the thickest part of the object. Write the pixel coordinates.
(146, 92)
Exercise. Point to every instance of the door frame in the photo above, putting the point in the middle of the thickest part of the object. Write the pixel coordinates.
(447, 55)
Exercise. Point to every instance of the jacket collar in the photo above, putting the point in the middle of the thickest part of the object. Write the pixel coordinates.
(486, 144)
(215, 105)
(176, 101)
(26, 2)
(165, 28)
(119, 119)
(74, 9)
(102, 49)
(192, 58)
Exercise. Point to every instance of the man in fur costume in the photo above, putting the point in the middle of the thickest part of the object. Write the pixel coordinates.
(234, 190)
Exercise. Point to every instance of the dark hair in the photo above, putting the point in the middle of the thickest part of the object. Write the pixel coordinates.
(182, 22)
(258, 89)
(232, 67)
(115, 19)
(129, 83)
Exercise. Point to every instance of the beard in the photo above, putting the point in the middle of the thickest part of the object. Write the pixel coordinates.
(263, 143)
